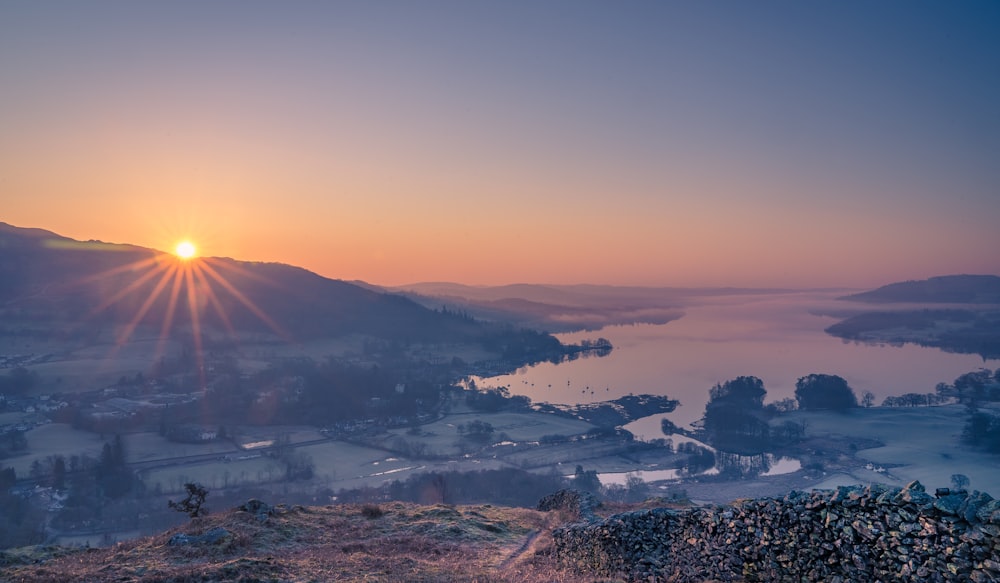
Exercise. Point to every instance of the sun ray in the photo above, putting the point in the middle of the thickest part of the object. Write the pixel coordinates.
(133, 266)
(136, 284)
(168, 318)
(141, 313)
(194, 279)
(245, 301)
(192, 297)
(214, 300)
(228, 266)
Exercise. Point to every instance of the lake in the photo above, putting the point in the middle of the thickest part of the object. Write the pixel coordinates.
(774, 336)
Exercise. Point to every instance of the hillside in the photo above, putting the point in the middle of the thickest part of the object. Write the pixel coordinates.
(970, 326)
(564, 308)
(947, 289)
(856, 533)
(47, 279)
(387, 542)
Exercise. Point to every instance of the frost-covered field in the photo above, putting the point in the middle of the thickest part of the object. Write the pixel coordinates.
(920, 443)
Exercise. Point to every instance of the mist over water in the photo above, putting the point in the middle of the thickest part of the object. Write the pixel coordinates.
(777, 337)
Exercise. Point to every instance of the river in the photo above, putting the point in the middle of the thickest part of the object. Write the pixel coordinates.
(777, 337)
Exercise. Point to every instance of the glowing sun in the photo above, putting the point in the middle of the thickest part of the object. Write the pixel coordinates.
(185, 250)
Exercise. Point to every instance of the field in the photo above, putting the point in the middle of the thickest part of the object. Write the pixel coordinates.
(215, 474)
(920, 443)
(443, 438)
(52, 439)
(147, 447)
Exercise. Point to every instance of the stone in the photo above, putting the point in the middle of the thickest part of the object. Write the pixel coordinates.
(949, 504)
(851, 534)
(261, 510)
(209, 537)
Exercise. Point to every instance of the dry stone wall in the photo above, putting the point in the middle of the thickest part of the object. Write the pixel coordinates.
(851, 534)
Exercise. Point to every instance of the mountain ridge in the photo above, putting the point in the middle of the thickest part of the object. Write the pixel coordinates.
(53, 277)
(953, 289)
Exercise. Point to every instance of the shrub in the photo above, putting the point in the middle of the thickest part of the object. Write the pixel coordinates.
(193, 504)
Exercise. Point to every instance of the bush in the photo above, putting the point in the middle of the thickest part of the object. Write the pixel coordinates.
(193, 504)
(372, 511)
(823, 391)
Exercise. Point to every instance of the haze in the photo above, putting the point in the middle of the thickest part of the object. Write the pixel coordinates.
(684, 143)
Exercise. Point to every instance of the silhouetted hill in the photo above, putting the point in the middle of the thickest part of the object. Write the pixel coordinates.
(47, 279)
(950, 289)
(973, 328)
(563, 308)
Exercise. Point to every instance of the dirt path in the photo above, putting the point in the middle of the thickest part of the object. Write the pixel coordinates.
(528, 541)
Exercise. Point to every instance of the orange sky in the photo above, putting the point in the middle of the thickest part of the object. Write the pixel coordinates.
(659, 146)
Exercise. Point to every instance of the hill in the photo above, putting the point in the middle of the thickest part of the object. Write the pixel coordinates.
(971, 327)
(852, 533)
(947, 289)
(565, 308)
(47, 279)
(351, 542)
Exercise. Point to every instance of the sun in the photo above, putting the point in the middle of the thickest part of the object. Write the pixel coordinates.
(185, 250)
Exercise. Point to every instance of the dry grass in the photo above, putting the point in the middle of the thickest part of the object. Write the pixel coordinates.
(406, 542)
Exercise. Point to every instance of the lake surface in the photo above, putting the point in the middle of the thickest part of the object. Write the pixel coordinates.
(775, 337)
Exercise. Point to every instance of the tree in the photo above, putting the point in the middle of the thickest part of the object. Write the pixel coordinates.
(867, 399)
(586, 480)
(636, 488)
(8, 477)
(113, 475)
(959, 481)
(971, 386)
(193, 504)
(745, 391)
(734, 414)
(477, 430)
(823, 391)
(59, 472)
(18, 380)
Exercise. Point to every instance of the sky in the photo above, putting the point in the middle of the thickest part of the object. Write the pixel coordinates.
(674, 143)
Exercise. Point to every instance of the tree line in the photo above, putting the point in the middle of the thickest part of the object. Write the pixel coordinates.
(736, 418)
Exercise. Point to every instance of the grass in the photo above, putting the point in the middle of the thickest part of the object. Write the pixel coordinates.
(215, 474)
(919, 443)
(352, 543)
(55, 439)
(149, 446)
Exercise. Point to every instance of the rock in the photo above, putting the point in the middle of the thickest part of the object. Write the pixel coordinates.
(580, 504)
(261, 510)
(850, 534)
(973, 502)
(914, 494)
(210, 537)
(949, 504)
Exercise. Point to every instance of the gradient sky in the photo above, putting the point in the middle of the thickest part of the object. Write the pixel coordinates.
(650, 143)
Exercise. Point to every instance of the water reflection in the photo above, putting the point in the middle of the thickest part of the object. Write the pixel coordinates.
(733, 466)
(740, 467)
(776, 337)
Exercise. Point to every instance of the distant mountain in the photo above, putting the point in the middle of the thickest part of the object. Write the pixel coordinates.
(47, 280)
(972, 328)
(563, 308)
(948, 289)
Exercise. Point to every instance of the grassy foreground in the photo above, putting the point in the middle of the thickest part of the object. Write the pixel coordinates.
(388, 542)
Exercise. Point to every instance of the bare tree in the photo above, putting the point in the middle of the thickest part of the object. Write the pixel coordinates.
(192, 505)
